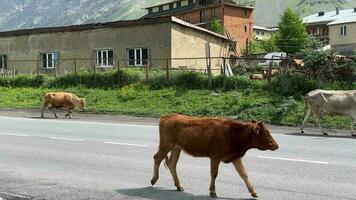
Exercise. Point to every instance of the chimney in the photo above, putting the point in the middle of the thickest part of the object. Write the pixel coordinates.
(337, 10)
(321, 13)
(355, 10)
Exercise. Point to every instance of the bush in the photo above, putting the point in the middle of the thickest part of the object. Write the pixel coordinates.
(292, 84)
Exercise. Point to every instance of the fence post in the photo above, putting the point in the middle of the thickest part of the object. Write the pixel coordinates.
(37, 67)
(224, 75)
(209, 73)
(146, 68)
(167, 69)
(94, 75)
(13, 73)
(75, 68)
(118, 72)
(269, 73)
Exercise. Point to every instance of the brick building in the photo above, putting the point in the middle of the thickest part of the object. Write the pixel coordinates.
(237, 19)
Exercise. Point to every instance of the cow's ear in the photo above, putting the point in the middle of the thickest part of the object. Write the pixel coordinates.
(257, 130)
(253, 121)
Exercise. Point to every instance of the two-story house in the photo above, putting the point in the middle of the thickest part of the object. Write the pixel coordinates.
(317, 24)
(236, 19)
(343, 35)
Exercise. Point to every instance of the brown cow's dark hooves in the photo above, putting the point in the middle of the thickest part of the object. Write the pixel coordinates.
(213, 195)
(153, 181)
(254, 195)
(180, 189)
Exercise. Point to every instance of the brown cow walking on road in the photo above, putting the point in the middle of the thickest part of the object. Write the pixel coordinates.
(53, 100)
(219, 139)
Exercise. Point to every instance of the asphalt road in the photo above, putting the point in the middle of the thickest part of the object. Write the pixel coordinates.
(78, 159)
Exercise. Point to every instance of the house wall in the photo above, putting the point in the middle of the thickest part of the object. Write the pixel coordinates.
(235, 21)
(187, 43)
(343, 43)
(81, 44)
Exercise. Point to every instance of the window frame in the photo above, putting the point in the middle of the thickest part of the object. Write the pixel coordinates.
(46, 61)
(137, 61)
(3, 62)
(343, 31)
(101, 61)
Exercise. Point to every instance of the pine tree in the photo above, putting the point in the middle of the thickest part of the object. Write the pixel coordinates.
(292, 35)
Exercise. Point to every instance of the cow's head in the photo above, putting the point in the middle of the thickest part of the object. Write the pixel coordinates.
(262, 138)
(82, 104)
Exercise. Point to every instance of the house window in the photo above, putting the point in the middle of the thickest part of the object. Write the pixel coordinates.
(203, 15)
(49, 60)
(3, 62)
(186, 17)
(104, 58)
(214, 13)
(184, 3)
(245, 12)
(343, 30)
(175, 5)
(155, 9)
(137, 56)
(245, 29)
(166, 7)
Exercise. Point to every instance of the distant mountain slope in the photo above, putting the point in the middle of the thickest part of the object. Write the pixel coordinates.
(21, 14)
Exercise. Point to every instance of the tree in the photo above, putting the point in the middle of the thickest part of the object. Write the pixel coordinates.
(292, 35)
(217, 27)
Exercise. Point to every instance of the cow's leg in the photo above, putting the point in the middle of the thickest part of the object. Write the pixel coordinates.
(43, 109)
(69, 112)
(306, 117)
(242, 172)
(53, 109)
(321, 128)
(214, 168)
(158, 157)
(172, 165)
(352, 126)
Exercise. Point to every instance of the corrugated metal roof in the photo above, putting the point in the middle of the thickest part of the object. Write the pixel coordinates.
(327, 17)
(346, 19)
(116, 24)
(261, 28)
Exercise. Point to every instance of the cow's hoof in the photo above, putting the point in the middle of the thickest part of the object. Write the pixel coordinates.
(213, 195)
(153, 181)
(180, 189)
(254, 194)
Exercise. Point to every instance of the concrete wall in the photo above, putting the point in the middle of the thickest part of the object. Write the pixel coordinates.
(187, 43)
(343, 43)
(81, 44)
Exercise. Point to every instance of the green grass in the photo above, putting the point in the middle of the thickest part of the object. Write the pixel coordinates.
(139, 100)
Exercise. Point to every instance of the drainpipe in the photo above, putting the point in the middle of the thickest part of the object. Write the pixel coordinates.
(337, 10)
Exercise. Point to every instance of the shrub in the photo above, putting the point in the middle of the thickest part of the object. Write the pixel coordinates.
(292, 84)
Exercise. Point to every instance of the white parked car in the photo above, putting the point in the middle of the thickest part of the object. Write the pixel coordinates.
(273, 55)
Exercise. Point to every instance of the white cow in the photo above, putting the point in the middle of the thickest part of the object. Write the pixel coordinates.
(331, 102)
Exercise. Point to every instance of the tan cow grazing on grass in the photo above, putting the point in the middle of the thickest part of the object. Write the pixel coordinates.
(331, 102)
(217, 138)
(69, 101)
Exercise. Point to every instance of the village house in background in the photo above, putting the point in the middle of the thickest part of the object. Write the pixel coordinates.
(263, 33)
(236, 19)
(93, 46)
(343, 35)
(335, 28)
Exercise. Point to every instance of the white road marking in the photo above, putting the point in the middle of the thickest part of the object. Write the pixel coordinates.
(295, 160)
(127, 144)
(67, 139)
(15, 134)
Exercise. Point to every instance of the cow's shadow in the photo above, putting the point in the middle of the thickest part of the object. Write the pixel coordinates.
(320, 136)
(157, 193)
